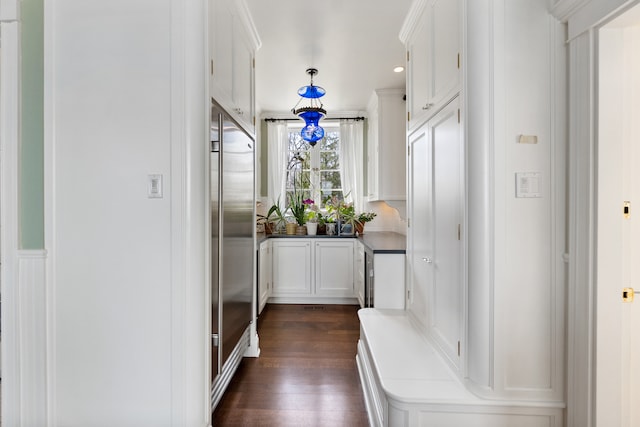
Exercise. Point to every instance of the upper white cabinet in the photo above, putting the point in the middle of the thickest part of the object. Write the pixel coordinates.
(432, 35)
(386, 146)
(233, 42)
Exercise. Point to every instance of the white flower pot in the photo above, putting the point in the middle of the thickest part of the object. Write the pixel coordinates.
(312, 228)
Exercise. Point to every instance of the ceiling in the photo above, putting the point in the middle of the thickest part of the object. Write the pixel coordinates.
(354, 45)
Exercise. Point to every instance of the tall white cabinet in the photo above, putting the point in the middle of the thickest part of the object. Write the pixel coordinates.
(485, 270)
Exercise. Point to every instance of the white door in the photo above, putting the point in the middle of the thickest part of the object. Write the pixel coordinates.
(618, 238)
(420, 231)
(446, 293)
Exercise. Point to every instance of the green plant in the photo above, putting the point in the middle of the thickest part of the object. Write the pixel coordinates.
(276, 216)
(297, 207)
(366, 216)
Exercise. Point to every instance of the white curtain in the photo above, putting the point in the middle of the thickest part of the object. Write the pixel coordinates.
(277, 140)
(351, 162)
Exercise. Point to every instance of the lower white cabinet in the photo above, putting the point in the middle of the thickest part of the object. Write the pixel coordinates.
(334, 268)
(308, 271)
(358, 272)
(264, 274)
(291, 267)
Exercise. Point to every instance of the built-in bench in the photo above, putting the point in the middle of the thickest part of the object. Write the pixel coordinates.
(406, 382)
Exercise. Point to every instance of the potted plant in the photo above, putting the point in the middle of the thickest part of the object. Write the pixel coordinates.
(348, 218)
(298, 207)
(361, 219)
(312, 214)
(275, 219)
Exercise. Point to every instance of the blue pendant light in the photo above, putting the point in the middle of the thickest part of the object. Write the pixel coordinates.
(312, 132)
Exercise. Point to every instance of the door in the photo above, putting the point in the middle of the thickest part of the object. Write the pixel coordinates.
(618, 235)
(420, 231)
(447, 262)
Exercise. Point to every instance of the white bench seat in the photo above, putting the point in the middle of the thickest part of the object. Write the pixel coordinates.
(406, 382)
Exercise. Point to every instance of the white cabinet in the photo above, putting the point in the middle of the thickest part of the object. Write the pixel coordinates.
(358, 272)
(291, 267)
(232, 45)
(312, 270)
(436, 214)
(264, 274)
(432, 41)
(334, 268)
(386, 146)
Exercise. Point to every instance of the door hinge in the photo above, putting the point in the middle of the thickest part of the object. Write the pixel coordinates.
(254, 62)
(211, 67)
(459, 232)
(408, 222)
(215, 340)
(409, 294)
(458, 61)
(458, 115)
(407, 56)
(458, 348)
(626, 210)
(408, 116)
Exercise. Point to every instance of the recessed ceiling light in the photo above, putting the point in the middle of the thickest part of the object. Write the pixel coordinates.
(398, 69)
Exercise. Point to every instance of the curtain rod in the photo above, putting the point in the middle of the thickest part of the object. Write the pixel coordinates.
(325, 119)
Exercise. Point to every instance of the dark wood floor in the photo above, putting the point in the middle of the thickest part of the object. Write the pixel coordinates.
(306, 374)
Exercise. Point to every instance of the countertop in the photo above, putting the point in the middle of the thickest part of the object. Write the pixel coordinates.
(380, 242)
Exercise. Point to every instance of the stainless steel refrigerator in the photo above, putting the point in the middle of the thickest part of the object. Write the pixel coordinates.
(232, 207)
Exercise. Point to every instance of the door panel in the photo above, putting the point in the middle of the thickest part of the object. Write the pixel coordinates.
(447, 222)
(420, 234)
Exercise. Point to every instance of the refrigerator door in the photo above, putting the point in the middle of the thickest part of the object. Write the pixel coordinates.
(214, 193)
(232, 238)
(237, 225)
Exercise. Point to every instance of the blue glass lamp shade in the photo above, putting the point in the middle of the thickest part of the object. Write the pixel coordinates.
(311, 114)
(311, 91)
(311, 132)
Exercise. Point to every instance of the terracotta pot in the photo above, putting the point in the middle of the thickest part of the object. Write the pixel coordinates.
(291, 228)
(268, 227)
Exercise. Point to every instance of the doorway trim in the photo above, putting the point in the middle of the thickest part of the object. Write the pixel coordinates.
(9, 239)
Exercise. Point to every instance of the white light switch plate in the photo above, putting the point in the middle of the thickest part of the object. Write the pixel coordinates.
(154, 190)
(528, 185)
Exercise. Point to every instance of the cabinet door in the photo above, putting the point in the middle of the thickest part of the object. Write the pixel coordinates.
(447, 190)
(418, 69)
(242, 77)
(291, 267)
(221, 50)
(372, 154)
(435, 235)
(264, 274)
(434, 59)
(358, 272)
(444, 50)
(334, 268)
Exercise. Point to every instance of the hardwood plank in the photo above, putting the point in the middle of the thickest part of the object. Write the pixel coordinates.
(306, 374)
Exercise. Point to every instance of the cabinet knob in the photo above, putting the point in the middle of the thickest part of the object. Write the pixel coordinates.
(427, 106)
(428, 260)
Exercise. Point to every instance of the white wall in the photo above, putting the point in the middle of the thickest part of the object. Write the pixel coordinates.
(125, 99)
(516, 245)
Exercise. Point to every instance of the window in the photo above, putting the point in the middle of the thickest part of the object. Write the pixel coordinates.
(314, 170)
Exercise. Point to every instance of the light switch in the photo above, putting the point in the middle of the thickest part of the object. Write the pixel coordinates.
(528, 185)
(154, 190)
